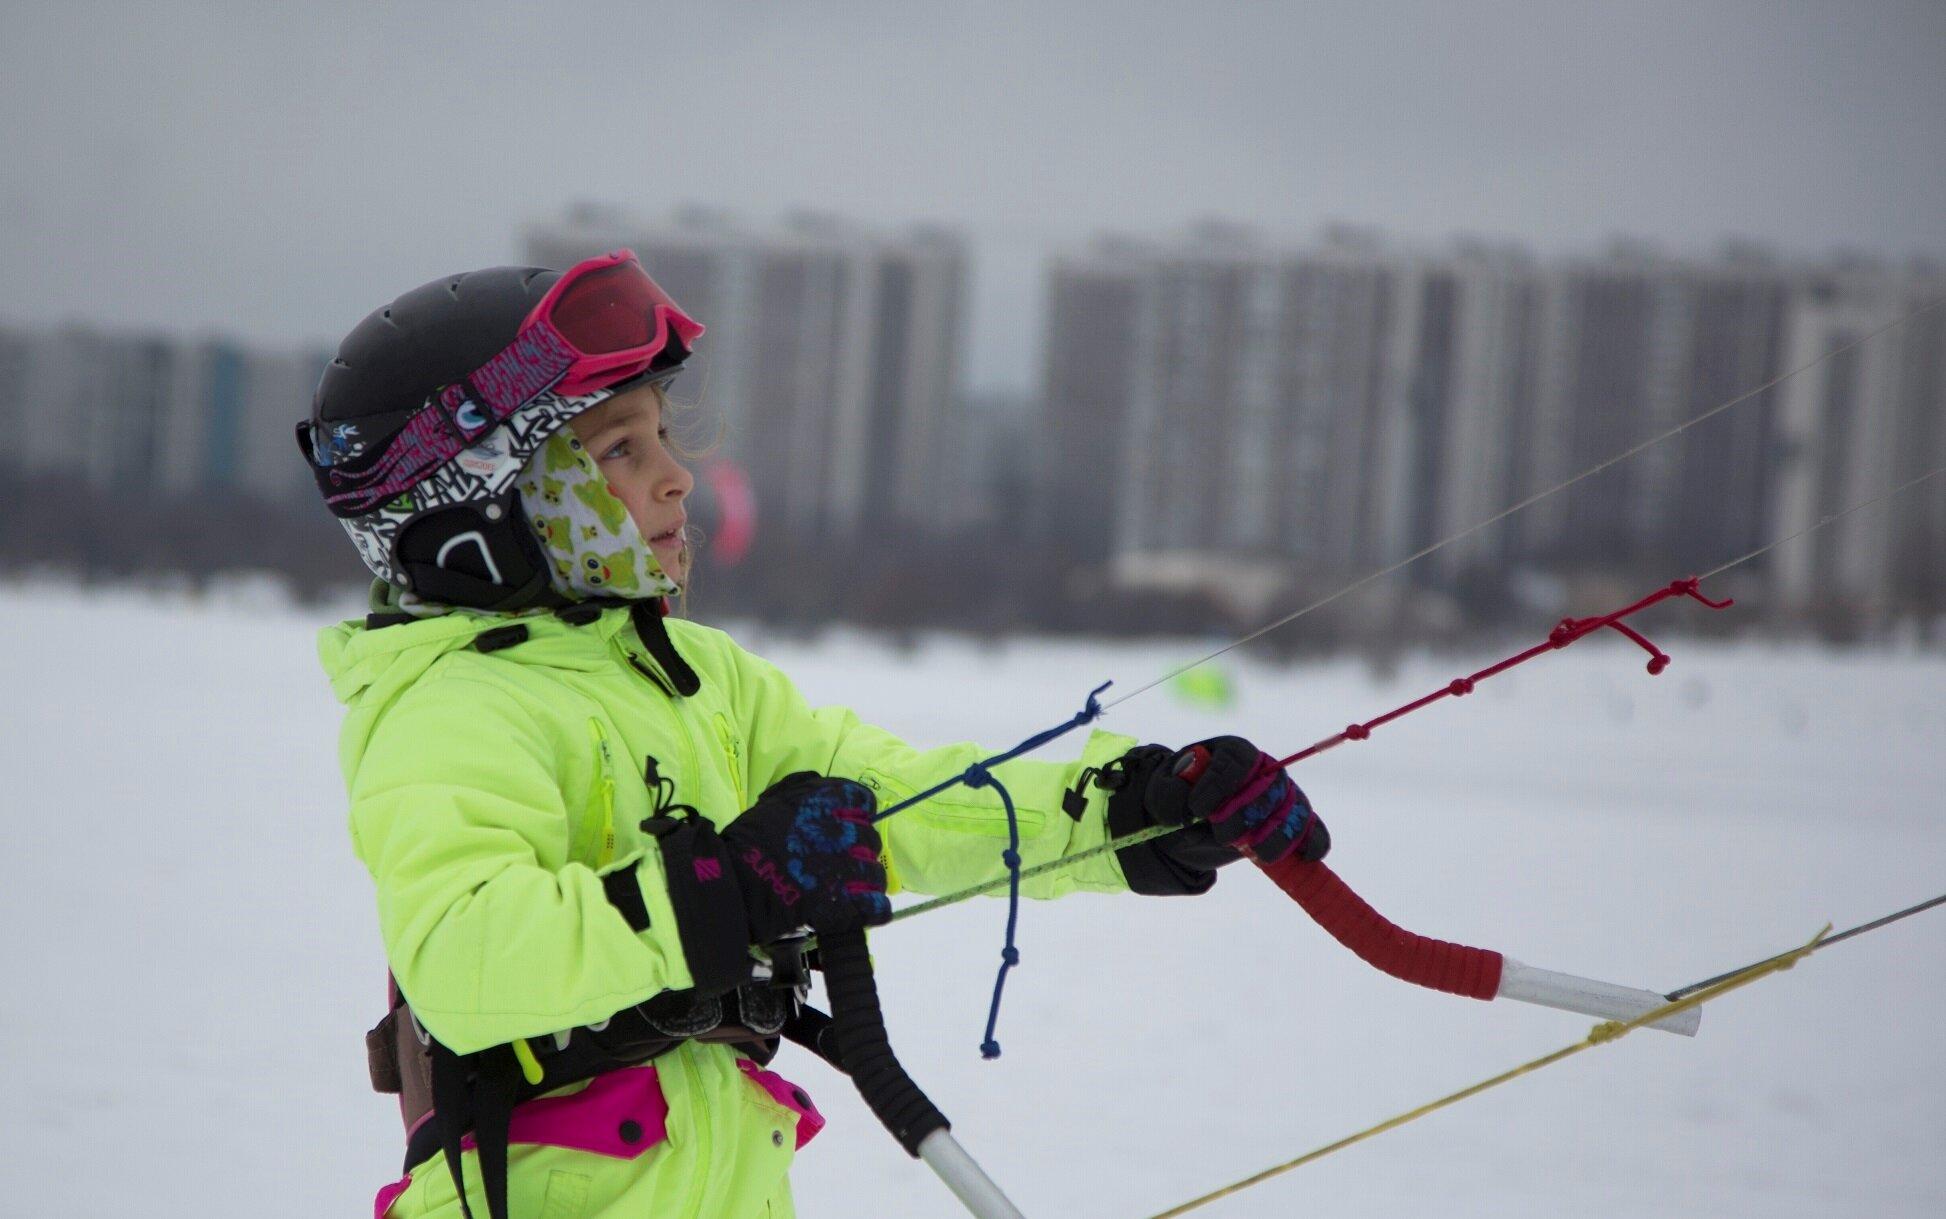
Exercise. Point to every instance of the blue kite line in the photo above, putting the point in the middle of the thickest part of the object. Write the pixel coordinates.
(980, 775)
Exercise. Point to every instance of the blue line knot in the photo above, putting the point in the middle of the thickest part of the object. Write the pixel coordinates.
(1091, 711)
(980, 775)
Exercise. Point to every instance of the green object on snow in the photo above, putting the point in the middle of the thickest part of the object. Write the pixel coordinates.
(1205, 686)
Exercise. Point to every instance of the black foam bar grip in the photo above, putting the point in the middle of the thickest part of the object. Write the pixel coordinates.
(865, 1047)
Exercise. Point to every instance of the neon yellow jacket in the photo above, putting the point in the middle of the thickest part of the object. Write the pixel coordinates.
(490, 792)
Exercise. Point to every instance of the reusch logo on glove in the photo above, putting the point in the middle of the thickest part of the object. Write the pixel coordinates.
(766, 871)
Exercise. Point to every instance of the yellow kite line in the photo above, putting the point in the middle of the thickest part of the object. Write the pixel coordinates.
(1601, 1034)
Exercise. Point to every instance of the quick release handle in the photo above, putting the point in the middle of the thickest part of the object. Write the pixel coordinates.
(865, 1047)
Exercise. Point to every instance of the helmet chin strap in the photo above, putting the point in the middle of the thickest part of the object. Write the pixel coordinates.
(647, 615)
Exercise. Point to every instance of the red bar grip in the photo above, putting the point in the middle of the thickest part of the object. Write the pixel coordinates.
(1381, 943)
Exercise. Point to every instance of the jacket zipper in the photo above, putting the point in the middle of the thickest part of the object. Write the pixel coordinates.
(733, 752)
(704, 1115)
(677, 720)
(648, 671)
(604, 793)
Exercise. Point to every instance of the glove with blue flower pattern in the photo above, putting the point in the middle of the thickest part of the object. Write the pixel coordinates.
(807, 855)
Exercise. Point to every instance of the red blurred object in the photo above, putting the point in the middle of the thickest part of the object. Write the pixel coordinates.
(736, 502)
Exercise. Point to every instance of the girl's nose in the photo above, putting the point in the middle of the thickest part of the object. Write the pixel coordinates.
(674, 481)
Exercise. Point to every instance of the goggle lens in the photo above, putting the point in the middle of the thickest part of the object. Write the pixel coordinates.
(609, 309)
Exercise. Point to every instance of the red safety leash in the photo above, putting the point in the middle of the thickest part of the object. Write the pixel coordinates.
(1570, 630)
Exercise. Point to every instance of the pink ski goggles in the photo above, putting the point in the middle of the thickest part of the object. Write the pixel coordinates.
(603, 322)
(613, 318)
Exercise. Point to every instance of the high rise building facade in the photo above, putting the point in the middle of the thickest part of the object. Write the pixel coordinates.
(1468, 351)
(1217, 413)
(1327, 409)
(1869, 418)
(1095, 319)
(138, 412)
(1340, 391)
(1317, 408)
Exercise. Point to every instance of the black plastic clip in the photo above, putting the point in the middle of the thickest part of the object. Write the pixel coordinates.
(500, 637)
(1109, 777)
(580, 613)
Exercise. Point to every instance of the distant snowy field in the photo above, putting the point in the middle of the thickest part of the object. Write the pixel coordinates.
(190, 954)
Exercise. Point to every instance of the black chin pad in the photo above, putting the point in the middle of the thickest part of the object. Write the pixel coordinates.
(459, 556)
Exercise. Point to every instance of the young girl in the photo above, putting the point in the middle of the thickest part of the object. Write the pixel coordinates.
(586, 820)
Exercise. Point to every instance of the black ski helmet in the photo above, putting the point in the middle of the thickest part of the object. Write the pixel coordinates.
(457, 535)
(432, 336)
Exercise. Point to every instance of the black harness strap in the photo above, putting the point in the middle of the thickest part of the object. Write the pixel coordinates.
(477, 1093)
(452, 1095)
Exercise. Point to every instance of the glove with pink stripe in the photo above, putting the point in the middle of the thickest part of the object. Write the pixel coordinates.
(1249, 802)
(1227, 795)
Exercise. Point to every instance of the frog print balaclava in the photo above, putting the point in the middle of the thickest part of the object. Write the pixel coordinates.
(593, 546)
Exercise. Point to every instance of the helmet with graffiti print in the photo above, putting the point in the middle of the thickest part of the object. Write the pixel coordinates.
(424, 421)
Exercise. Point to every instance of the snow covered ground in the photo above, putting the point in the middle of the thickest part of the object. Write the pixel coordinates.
(190, 955)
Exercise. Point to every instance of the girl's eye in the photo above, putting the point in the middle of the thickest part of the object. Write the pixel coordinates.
(620, 450)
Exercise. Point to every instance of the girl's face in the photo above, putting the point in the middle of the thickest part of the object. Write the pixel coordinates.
(628, 442)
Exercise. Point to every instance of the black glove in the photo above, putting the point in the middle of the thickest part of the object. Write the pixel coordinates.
(806, 855)
(1229, 797)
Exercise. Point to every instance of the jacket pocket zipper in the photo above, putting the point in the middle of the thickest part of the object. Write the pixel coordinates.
(604, 792)
(733, 752)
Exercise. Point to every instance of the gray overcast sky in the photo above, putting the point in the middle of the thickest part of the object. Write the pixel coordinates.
(276, 170)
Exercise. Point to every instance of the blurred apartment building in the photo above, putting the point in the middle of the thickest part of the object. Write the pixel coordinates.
(1870, 418)
(831, 359)
(1633, 344)
(1222, 409)
(133, 413)
(1216, 413)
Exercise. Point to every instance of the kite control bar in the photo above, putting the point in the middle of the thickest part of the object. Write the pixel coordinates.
(854, 1039)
